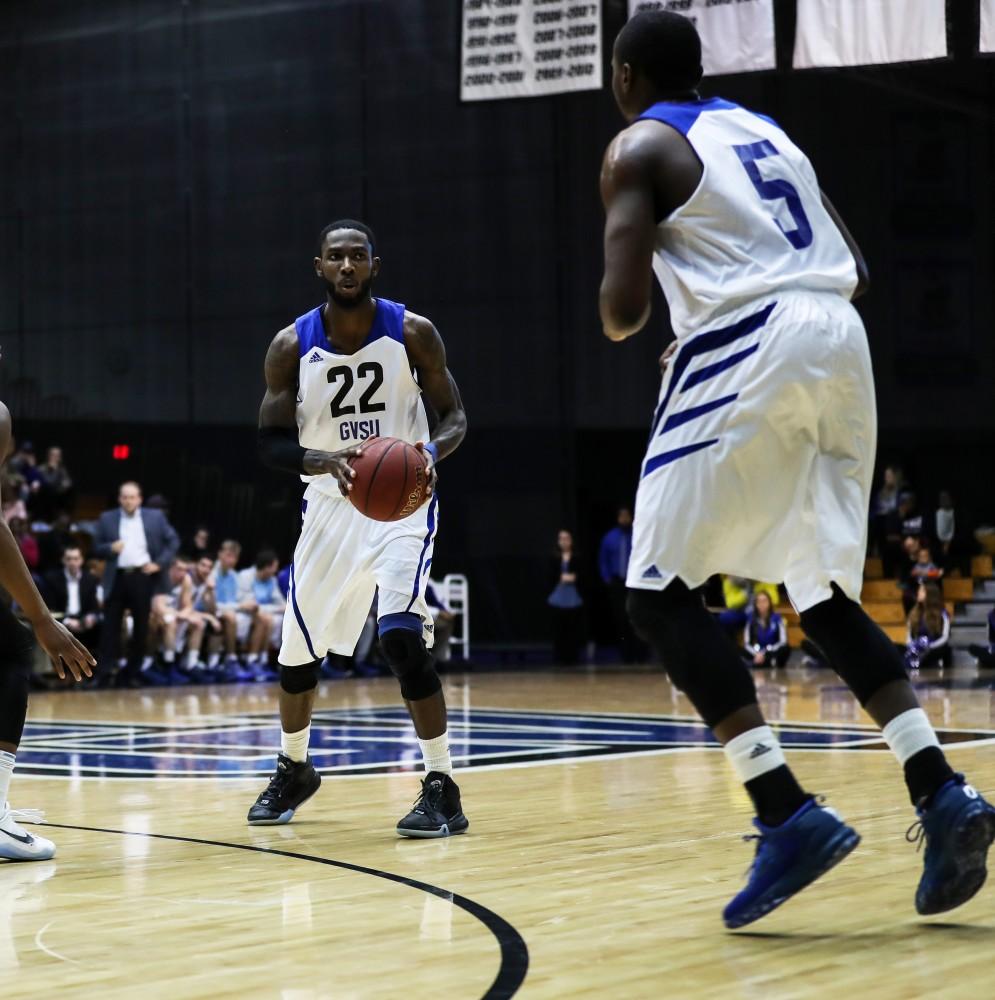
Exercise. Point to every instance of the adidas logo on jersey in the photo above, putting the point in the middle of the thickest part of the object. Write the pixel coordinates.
(652, 574)
(314, 357)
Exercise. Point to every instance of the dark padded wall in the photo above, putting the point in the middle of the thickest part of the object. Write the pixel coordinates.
(165, 166)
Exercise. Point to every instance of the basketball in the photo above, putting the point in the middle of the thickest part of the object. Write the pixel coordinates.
(391, 479)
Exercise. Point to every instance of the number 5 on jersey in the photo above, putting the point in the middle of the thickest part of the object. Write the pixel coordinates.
(776, 189)
(368, 370)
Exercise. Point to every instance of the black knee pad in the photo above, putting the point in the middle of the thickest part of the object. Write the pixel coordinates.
(301, 678)
(695, 651)
(410, 662)
(864, 657)
(16, 657)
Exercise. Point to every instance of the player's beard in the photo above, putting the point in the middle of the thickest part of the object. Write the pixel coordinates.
(351, 302)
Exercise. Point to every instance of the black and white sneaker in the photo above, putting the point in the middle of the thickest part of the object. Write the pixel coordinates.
(292, 785)
(437, 811)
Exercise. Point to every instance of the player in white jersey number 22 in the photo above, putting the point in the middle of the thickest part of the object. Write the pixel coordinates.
(355, 367)
(761, 448)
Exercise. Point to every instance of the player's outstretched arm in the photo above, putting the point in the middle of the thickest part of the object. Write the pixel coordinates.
(427, 354)
(278, 443)
(630, 229)
(57, 641)
(863, 277)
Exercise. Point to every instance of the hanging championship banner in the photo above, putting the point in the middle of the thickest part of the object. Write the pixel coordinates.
(525, 48)
(737, 36)
(862, 32)
(987, 41)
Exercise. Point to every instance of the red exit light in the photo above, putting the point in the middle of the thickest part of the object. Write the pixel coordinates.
(121, 452)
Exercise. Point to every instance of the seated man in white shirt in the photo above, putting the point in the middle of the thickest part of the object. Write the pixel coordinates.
(74, 593)
(177, 625)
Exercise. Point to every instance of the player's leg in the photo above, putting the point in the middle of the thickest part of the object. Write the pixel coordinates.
(15, 668)
(824, 578)
(329, 595)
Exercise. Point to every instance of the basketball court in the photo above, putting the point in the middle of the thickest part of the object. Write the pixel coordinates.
(604, 841)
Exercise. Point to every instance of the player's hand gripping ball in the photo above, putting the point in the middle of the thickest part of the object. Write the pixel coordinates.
(391, 481)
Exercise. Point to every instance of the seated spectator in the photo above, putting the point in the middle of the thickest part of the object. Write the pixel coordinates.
(738, 592)
(14, 492)
(200, 542)
(26, 541)
(945, 523)
(885, 504)
(928, 640)
(52, 543)
(227, 607)
(260, 613)
(175, 626)
(923, 570)
(74, 593)
(765, 639)
(55, 491)
(986, 654)
(206, 605)
(903, 522)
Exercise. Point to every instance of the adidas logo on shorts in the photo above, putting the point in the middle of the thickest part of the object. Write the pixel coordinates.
(314, 357)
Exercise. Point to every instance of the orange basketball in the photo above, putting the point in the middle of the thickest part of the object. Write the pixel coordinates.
(391, 479)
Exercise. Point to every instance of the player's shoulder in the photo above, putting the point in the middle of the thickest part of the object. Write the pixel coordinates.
(418, 330)
(637, 151)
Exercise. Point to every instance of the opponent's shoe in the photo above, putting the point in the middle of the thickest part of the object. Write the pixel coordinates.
(16, 844)
(958, 826)
(437, 811)
(789, 857)
(290, 787)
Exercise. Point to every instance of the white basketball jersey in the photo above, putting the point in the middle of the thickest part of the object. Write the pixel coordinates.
(343, 399)
(754, 225)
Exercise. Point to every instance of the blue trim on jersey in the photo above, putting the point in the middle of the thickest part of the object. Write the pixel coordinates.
(666, 457)
(402, 619)
(693, 412)
(388, 321)
(681, 115)
(700, 375)
(299, 616)
(424, 550)
(702, 344)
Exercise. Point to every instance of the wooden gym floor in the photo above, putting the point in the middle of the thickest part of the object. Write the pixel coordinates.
(604, 841)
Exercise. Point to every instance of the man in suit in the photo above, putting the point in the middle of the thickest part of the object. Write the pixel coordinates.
(73, 592)
(137, 543)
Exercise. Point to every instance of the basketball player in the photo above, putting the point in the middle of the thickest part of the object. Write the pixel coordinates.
(16, 652)
(762, 447)
(356, 367)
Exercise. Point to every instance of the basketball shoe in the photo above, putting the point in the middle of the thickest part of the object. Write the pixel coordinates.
(16, 844)
(290, 787)
(958, 826)
(437, 811)
(789, 857)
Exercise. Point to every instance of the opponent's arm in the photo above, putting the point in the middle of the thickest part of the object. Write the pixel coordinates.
(427, 354)
(863, 277)
(54, 638)
(628, 197)
(278, 445)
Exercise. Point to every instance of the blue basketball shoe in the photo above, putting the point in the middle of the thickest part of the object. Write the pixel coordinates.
(790, 857)
(958, 826)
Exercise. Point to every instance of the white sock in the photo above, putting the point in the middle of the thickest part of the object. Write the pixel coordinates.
(294, 745)
(6, 770)
(753, 753)
(213, 659)
(909, 733)
(169, 655)
(252, 659)
(191, 659)
(436, 754)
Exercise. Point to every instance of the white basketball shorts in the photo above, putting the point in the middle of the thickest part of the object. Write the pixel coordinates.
(341, 559)
(761, 454)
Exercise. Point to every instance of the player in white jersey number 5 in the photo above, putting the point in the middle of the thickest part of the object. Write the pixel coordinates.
(354, 367)
(761, 448)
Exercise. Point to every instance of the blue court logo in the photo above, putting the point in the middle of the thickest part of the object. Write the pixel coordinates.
(360, 741)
